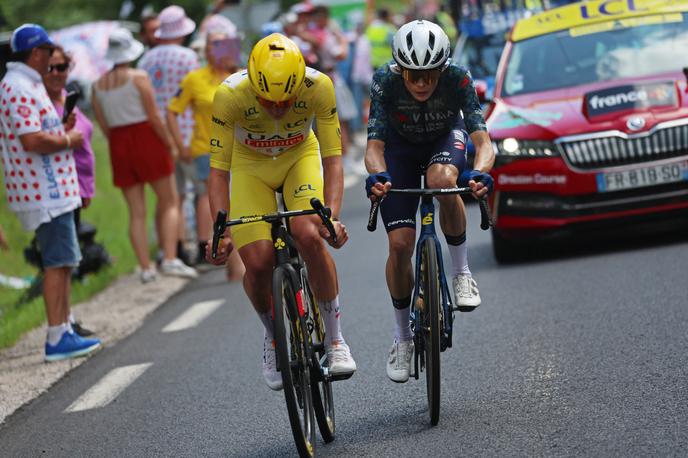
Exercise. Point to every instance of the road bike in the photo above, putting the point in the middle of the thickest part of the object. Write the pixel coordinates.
(432, 312)
(299, 329)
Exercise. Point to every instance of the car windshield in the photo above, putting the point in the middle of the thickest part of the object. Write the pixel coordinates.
(481, 55)
(612, 50)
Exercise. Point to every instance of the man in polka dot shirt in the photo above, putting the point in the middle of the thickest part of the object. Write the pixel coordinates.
(40, 180)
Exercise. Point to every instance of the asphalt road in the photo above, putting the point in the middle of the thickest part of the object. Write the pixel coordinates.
(575, 353)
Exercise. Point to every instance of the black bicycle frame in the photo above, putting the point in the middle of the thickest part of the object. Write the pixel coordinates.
(427, 230)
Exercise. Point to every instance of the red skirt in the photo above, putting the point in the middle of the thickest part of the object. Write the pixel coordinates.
(138, 155)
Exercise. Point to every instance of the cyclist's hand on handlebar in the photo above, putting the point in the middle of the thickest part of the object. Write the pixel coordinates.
(377, 185)
(224, 248)
(480, 183)
(340, 231)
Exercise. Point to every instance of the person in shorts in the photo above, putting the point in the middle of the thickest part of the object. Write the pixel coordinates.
(41, 182)
(141, 151)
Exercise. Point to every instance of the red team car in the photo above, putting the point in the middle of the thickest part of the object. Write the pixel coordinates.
(590, 120)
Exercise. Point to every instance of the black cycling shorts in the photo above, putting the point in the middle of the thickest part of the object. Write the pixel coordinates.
(407, 162)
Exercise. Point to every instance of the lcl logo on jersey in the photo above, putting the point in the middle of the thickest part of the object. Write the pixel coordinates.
(216, 143)
(251, 113)
(296, 125)
(300, 106)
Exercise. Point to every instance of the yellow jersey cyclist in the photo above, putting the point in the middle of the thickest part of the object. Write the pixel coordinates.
(421, 107)
(261, 137)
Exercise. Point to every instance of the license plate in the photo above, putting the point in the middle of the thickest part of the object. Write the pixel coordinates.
(641, 177)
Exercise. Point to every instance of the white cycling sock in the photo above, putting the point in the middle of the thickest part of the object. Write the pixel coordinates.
(55, 333)
(459, 256)
(402, 333)
(266, 319)
(330, 312)
(71, 318)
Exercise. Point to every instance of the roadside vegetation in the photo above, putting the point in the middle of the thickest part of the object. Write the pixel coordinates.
(107, 212)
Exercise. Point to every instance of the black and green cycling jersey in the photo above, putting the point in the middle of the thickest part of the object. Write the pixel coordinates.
(393, 107)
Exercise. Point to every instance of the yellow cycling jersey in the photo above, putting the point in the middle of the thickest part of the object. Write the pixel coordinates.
(240, 124)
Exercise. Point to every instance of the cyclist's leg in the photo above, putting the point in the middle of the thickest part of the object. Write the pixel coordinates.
(399, 217)
(303, 182)
(250, 195)
(443, 172)
(446, 160)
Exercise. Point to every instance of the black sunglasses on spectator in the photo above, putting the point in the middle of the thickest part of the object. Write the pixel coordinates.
(61, 68)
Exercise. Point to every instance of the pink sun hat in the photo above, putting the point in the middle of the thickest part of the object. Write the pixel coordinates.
(174, 23)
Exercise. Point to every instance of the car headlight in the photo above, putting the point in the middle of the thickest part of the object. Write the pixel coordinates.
(525, 148)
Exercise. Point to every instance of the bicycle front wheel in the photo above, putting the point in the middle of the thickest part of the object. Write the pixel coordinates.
(430, 319)
(292, 362)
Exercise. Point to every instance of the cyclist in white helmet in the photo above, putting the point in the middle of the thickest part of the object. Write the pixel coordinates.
(423, 108)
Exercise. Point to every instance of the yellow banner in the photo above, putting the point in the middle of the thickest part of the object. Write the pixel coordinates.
(625, 23)
(591, 13)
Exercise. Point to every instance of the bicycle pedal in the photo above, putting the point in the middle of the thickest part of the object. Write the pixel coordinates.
(340, 377)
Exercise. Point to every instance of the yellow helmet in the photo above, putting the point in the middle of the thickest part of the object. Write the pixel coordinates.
(276, 68)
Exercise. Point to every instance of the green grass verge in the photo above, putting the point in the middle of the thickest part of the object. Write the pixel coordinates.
(107, 212)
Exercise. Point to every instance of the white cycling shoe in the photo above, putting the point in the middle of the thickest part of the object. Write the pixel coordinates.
(466, 294)
(399, 361)
(339, 359)
(272, 377)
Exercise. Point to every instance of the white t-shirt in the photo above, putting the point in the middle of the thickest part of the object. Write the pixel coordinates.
(39, 187)
(167, 65)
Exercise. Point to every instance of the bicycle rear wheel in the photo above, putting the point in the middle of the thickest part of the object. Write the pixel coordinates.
(430, 319)
(292, 361)
(323, 399)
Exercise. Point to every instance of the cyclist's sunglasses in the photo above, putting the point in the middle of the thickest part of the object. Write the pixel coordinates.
(61, 68)
(429, 76)
(269, 104)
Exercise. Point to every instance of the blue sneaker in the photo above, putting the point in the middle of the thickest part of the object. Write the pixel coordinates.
(71, 345)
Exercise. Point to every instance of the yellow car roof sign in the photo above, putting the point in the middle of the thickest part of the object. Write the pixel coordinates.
(591, 12)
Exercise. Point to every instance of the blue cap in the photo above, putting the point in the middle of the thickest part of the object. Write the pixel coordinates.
(29, 36)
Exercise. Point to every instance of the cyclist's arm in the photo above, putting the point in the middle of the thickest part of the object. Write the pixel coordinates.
(484, 153)
(377, 125)
(221, 144)
(222, 129)
(475, 125)
(218, 191)
(333, 174)
(329, 138)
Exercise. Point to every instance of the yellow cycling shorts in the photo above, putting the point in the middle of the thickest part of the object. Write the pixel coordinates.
(254, 181)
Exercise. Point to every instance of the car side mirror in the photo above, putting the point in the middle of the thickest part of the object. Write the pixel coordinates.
(481, 91)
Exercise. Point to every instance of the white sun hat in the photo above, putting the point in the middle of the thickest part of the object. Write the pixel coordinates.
(122, 47)
(174, 23)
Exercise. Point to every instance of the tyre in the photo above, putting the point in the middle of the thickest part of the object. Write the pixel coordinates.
(430, 319)
(292, 362)
(323, 399)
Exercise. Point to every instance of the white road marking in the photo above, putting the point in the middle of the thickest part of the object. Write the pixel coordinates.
(108, 387)
(194, 315)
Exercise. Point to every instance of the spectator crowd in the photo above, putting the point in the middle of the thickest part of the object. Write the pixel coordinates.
(153, 107)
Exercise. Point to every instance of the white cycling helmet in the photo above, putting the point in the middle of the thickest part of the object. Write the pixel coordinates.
(420, 45)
